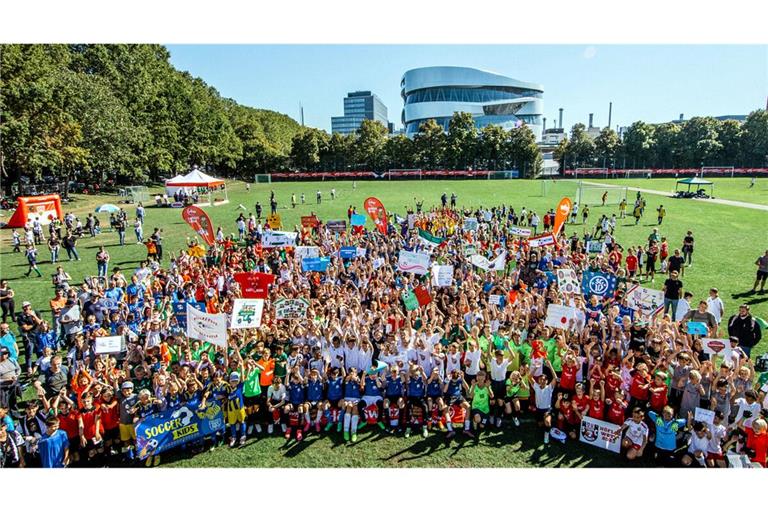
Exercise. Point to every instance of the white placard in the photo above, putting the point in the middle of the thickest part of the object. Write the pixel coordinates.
(208, 327)
(564, 317)
(541, 241)
(411, 220)
(601, 434)
(494, 299)
(567, 281)
(108, 345)
(305, 251)
(717, 347)
(704, 415)
(645, 301)
(442, 275)
(278, 239)
(361, 252)
(246, 313)
(414, 262)
(72, 314)
(377, 263)
(514, 230)
(595, 246)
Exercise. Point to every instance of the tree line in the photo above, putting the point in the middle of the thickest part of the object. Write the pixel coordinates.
(698, 142)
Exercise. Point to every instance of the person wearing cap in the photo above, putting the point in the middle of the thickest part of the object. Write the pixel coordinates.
(743, 326)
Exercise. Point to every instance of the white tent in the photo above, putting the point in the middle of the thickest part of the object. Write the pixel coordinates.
(198, 181)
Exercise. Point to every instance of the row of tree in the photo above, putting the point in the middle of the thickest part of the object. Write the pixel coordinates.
(95, 113)
(700, 141)
(462, 147)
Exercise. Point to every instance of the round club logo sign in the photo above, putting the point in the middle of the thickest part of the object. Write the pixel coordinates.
(598, 285)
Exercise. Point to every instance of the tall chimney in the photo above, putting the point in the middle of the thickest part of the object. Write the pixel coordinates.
(544, 127)
(590, 120)
(560, 120)
(610, 111)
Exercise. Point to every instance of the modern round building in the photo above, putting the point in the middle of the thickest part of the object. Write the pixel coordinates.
(437, 92)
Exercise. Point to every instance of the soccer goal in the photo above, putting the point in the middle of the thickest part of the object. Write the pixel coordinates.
(137, 194)
(596, 194)
(262, 178)
(716, 171)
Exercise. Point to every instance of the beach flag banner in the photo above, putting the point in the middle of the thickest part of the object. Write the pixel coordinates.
(199, 221)
(561, 214)
(377, 213)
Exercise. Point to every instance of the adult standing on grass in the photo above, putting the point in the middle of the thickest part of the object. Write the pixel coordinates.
(28, 322)
(138, 229)
(762, 272)
(661, 213)
(140, 212)
(70, 245)
(744, 326)
(31, 255)
(688, 243)
(673, 290)
(54, 245)
(102, 261)
(120, 228)
(7, 304)
(9, 379)
(319, 196)
(157, 238)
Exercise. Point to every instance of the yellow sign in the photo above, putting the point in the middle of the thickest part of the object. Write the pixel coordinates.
(274, 221)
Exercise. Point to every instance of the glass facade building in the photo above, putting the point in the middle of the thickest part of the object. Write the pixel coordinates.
(438, 92)
(359, 105)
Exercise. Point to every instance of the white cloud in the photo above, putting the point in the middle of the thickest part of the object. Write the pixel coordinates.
(589, 52)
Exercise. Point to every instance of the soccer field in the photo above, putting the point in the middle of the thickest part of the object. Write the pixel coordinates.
(728, 240)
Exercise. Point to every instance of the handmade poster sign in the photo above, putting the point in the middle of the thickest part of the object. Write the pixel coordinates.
(414, 262)
(272, 239)
(649, 303)
(208, 327)
(287, 309)
(564, 317)
(109, 345)
(567, 280)
(442, 275)
(246, 313)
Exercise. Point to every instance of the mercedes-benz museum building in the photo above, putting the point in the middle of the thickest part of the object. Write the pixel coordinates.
(437, 92)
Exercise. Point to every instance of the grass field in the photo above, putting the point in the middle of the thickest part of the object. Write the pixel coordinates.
(728, 239)
(735, 189)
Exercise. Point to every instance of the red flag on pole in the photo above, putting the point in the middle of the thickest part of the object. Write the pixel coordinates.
(254, 285)
(199, 221)
(377, 213)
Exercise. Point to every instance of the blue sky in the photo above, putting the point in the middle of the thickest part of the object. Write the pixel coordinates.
(655, 83)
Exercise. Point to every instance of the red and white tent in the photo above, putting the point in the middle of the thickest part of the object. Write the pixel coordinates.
(198, 181)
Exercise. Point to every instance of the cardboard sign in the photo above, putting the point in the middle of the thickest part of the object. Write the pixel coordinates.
(357, 220)
(470, 224)
(348, 252)
(336, 226)
(304, 251)
(109, 345)
(595, 246)
(717, 347)
(286, 309)
(274, 221)
(601, 434)
(207, 326)
(495, 299)
(315, 264)
(414, 262)
(697, 328)
(567, 280)
(645, 301)
(246, 313)
(310, 221)
(272, 239)
(704, 415)
(541, 241)
(442, 275)
(518, 231)
(564, 317)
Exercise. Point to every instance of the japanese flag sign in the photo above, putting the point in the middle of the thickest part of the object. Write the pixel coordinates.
(564, 317)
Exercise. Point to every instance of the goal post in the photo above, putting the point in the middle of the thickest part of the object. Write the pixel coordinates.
(716, 171)
(597, 194)
(137, 194)
(262, 178)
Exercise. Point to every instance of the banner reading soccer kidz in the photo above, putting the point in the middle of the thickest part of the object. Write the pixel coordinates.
(377, 212)
(598, 283)
(561, 215)
(273, 239)
(206, 326)
(165, 430)
(647, 302)
(286, 309)
(199, 221)
(246, 313)
(415, 262)
(601, 434)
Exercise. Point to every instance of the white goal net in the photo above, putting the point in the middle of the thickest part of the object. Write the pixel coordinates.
(596, 194)
(262, 178)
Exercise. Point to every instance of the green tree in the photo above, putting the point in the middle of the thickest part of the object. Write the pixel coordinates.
(581, 148)
(430, 145)
(461, 141)
(667, 148)
(639, 144)
(700, 143)
(306, 148)
(754, 140)
(399, 152)
(492, 147)
(523, 151)
(606, 146)
(729, 134)
(368, 148)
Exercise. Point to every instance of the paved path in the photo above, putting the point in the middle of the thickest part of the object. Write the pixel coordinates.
(726, 202)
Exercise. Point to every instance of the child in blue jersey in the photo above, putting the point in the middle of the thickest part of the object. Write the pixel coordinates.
(435, 398)
(315, 388)
(372, 385)
(217, 389)
(335, 398)
(236, 410)
(416, 381)
(394, 390)
(294, 409)
(352, 394)
(452, 389)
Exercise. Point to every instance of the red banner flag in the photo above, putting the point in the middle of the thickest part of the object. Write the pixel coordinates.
(199, 221)
(561, 215)
(254, 285)
(377, 213)
(422, 295)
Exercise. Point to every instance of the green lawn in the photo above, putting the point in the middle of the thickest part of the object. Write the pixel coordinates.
(728, 239)
(735, 189)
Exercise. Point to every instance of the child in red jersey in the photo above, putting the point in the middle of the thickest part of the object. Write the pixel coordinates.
(110, 418)
(616, 408)
(658, 392)
(64, 409)
(596, 407)
(90, 428)
(568, 417)
(581, 400)
(568, 374)
(638, 387)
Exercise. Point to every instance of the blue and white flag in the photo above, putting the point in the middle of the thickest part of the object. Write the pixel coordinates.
(315, 264)
(598, 283)
(181, 425)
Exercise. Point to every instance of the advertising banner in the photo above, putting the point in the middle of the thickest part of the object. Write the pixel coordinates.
(165, 430)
